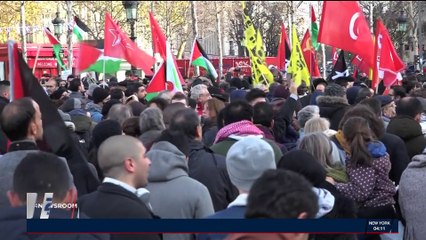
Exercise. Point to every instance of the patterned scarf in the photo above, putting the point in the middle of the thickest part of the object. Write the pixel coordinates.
(240, 128)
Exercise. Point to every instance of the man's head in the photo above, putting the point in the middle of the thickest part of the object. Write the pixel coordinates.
(21, 119)
(247, 159)
(5, 89)
(123, 158)
(75, 85)
(51, 86)
(281, 194)
(187, 121)
(70, 78)
(409, 106)
(180, 98)
(263, 114)
(50, 174)
(200, 93)
(319, 84)
(237, 111)
(307, 113)
(100, 96)
(255, 95)
(141, 93)
(335, 90)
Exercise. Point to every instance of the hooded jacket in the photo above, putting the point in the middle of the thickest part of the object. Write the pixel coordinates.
(173, 193)
(370, 186)
(95, 111)
(333, 108)
(410, 132)
(412, 198)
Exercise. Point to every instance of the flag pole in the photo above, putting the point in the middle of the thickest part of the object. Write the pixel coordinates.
(103, 68)
(36, 59)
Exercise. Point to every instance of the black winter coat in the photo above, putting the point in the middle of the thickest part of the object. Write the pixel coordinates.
(332, 108)
(410, 132)
(112, 201)
(210, 169)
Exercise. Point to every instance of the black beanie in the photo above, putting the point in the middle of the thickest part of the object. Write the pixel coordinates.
(304, 163)
(99, 94)
(104, 130)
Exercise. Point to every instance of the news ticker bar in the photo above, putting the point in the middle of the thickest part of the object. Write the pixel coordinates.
(212, 225)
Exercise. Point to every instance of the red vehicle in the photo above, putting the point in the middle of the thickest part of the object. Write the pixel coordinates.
(46, 62)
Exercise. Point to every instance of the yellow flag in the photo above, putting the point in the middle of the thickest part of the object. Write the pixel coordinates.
(254, 45)
(298, 68)
(265, 73)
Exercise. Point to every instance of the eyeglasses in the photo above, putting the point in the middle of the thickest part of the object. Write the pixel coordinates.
(49, 86)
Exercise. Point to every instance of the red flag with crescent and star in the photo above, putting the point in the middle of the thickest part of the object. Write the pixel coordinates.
(309, 55)
(117, 44)
(347, 30)
(389, 64)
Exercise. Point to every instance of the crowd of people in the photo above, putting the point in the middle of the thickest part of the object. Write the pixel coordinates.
(233, 149)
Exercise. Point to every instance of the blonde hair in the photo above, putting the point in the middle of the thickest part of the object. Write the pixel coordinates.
(316, 125)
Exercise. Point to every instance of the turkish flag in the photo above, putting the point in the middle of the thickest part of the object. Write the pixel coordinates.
(360, 64)
(335, 55)
(309, 55)
(343, 25)
(388, 64)
(117, 44)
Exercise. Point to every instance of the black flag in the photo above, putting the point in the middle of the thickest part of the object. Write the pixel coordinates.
(340, 69)
(56, 138)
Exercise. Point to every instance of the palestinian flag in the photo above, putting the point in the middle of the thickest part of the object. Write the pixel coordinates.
(56, 137)
(56, 46)
(314, 29)
(199, 58)
(92, 58)
(80, 28)
(166, 78)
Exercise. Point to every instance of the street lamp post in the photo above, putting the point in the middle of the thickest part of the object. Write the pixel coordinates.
(131, 8)
(402, 28)
(58, 29)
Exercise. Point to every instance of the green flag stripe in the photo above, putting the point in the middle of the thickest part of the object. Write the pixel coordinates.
(57, 50)
(77, 31)
(314, 35)
(206, 64)
(111, 66)
(150, 96)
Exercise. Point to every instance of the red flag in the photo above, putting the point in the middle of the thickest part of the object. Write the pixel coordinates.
(56, 136)
(160, 44)
(343, 25)
(118, 45)
(334, 54)
(309, 55)
(158, 82)
(158, 37)
(389, 64)
(283, 50)
(88, 55)
(360, 64)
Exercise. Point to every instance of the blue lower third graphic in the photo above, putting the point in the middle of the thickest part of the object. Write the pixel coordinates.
(212, 225)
